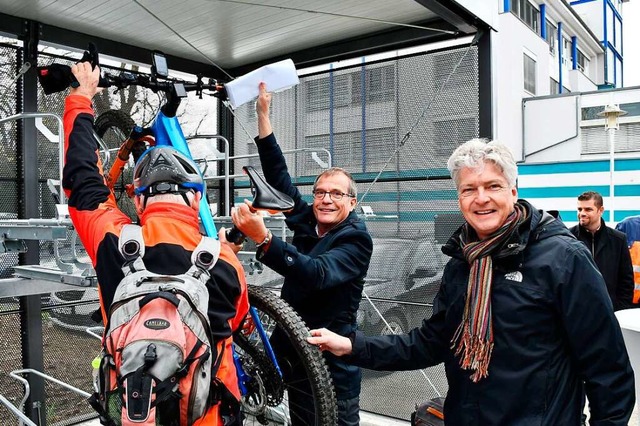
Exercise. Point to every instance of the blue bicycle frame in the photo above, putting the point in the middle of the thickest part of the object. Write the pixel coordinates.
(167, 131)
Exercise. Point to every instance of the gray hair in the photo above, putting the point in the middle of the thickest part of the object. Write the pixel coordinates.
(475, 152)
(353, 190)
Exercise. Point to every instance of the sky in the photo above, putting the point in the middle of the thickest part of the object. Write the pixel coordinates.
(631, 33)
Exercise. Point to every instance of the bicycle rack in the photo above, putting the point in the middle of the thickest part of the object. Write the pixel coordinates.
(27, 391)
(70, 273)
(18, 413)
(226, 158)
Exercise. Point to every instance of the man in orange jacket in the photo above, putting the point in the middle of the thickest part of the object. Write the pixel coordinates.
(169, 226)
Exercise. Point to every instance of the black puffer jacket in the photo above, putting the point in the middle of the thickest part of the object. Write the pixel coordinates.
(554, 328)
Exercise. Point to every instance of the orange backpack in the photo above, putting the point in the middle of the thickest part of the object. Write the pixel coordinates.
(156, 366)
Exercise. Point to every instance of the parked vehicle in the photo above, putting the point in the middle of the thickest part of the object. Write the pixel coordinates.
(403, 279)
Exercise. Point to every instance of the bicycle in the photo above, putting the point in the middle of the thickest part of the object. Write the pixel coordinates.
(259, 375)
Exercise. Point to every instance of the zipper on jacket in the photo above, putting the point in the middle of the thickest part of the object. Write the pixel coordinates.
(194, 387)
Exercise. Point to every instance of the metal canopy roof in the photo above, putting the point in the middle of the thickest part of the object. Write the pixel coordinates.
(237, 35)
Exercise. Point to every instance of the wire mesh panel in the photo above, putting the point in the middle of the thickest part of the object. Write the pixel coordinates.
(67, 349)
(8, 148)
(392, 124)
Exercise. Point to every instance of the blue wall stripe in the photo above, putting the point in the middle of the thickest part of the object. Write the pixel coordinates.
(404, 196)
(572, 215)
(578, 167)
(527, 193)
(574, 191)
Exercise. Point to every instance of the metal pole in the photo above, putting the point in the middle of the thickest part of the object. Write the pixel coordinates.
(612, 136)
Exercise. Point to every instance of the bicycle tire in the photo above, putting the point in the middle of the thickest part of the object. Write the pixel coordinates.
(113, 127)
(274, 311)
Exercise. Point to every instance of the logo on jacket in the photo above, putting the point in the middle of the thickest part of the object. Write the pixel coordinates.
(156, 324)
(514, 276)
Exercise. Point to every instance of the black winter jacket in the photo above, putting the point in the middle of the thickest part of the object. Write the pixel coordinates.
(323, 277)
(609, 249)
(554, 329)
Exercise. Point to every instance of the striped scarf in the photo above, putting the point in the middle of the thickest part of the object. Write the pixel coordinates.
(473, 339)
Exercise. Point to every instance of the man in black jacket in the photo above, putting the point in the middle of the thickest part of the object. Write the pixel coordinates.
(522, 320)
(608, 248)
(323, 268)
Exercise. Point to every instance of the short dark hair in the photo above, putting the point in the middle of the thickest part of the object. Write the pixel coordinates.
(591, 195)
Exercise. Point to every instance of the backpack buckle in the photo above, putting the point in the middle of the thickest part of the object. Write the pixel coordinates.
(150, 355)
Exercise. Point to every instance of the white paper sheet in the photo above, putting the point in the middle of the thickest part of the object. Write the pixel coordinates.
(278, 76)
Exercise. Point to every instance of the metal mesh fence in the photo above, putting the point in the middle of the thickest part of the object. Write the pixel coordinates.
(67, 349)
(8, 148)
(359, 116)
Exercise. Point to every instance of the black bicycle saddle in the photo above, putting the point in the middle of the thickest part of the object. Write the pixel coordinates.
(265, 196)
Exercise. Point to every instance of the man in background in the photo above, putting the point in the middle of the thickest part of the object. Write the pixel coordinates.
(608, 248)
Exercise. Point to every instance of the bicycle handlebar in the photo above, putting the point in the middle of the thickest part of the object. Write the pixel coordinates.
(57, 77)
(126, 79)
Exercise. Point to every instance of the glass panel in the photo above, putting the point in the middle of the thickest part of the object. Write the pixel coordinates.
(529, 74)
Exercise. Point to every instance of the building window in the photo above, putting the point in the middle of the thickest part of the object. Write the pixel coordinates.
(591, 113)
(582, 62)
(317, 94)
(566, 51)
(450, 134)
(529, 74)
(527, 13)
(380, 83)
(551, 37)
(379, 145)
(347, 88)
(554, 87)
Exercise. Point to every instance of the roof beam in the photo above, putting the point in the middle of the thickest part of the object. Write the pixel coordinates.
(76, 40)
(359, 46)
(453, 13)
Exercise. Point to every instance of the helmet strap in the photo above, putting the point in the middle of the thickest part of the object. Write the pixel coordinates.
(166, 188)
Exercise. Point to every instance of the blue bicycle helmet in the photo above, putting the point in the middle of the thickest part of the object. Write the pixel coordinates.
(164, 169)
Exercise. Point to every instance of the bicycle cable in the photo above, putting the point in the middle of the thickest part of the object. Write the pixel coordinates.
(183, 39)
(22, 71)
(403, 141)
(388, 327)
(426, 108)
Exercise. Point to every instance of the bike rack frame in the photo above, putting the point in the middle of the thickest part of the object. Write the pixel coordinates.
(39, 279)
(226, 158)
(27, 391)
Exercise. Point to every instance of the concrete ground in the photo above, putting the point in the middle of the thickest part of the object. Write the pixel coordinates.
(370, 419)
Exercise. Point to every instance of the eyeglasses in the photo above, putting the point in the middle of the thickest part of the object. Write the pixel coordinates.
(473, 191)
(334, 195)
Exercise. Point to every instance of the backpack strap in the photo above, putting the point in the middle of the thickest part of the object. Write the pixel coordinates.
(206, 253)
(131, 247)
